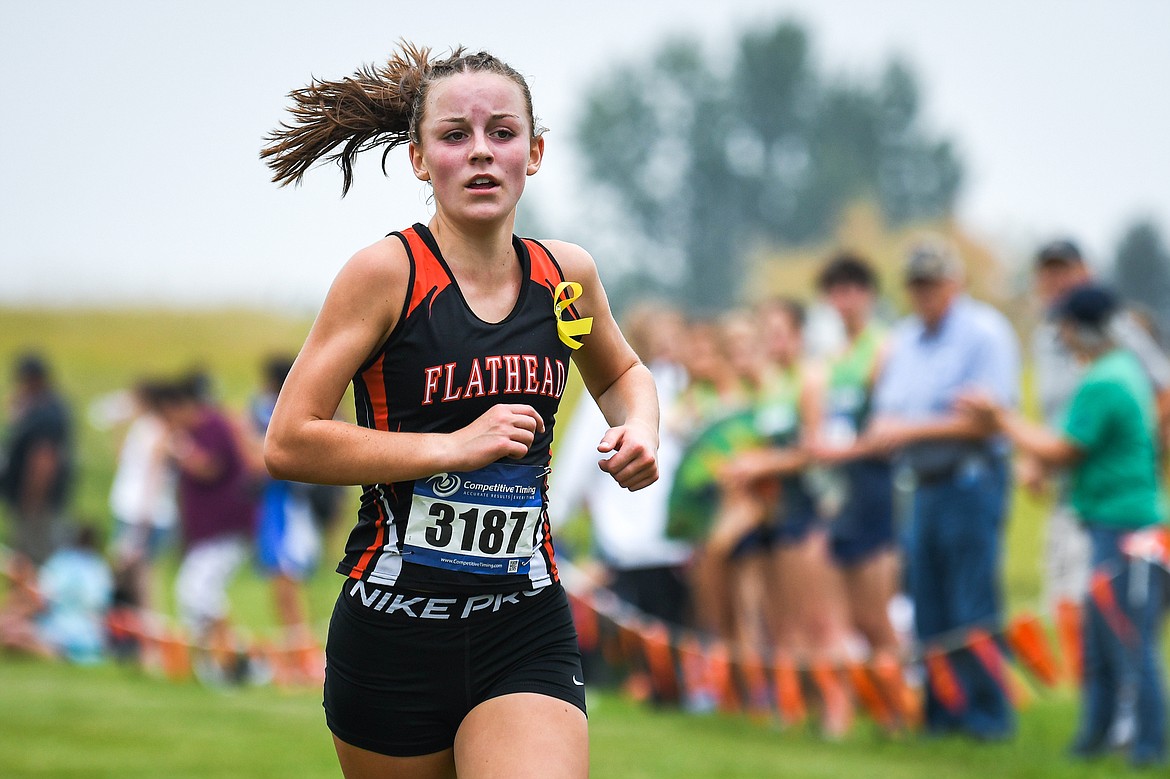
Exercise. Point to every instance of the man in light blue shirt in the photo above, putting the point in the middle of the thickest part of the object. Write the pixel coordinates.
(949, 345)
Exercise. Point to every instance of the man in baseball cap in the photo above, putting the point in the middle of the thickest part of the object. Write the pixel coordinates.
(932, 260)
(958, 468)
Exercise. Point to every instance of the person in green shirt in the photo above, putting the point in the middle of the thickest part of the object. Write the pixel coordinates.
(783, 566)
(861, 533)
(1107, 443)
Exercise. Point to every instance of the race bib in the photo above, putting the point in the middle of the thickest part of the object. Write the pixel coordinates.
(483, 521)
(846, 400)
(776, 421)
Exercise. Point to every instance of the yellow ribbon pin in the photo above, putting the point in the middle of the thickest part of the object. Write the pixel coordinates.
(569, 329)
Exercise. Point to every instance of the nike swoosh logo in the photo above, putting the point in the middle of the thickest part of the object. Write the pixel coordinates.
(579, 684)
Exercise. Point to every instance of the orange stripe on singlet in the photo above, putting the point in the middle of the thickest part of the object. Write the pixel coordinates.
(375, 384)
(379, 541)
(549, 552)
(428, 273)
(544, 270)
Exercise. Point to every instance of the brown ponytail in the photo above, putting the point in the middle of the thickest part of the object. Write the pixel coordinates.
(375, 106)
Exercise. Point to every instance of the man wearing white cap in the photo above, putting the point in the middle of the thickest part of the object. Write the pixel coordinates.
(959, 471)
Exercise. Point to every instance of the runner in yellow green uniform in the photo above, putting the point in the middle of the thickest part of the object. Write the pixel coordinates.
(862, 534)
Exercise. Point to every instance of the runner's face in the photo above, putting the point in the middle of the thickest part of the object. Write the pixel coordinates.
(475, 145)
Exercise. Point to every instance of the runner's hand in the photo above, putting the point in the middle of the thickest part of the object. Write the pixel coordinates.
(506, 430)
(634, 462)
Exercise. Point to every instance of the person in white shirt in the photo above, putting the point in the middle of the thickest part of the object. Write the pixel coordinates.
(641, 564)
(142, 496)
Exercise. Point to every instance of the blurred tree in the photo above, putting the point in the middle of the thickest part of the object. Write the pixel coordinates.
(709, 167)
(1141, 271)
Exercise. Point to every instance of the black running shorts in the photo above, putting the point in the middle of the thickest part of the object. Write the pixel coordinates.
(404, 669)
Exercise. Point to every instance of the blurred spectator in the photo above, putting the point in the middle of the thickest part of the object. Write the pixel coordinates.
(861, 532)
(763, 494)
(951, 343)
(785, 580)
(638, 562)
(643, 566)
(713, 388)
(714, 395)
(1107, 440)
(1060, 268)
(288, 532)
(38, 463)
(217, 513)
(142, 496)
(746, 355)
(63, 614)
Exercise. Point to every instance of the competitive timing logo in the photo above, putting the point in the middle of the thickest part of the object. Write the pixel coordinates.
(444, 485)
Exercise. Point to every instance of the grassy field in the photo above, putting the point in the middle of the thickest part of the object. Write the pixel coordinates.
(59, 721)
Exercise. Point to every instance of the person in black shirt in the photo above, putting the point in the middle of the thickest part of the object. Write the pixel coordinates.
(38, 462)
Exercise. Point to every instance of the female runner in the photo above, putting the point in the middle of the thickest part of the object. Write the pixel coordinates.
(451, 651)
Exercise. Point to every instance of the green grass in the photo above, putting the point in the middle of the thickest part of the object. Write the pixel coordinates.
(60, 721)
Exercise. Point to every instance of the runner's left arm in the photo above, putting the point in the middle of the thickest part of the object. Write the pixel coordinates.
(615, 377)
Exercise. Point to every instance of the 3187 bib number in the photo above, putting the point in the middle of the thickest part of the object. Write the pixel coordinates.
(491, 527)
(483, 521)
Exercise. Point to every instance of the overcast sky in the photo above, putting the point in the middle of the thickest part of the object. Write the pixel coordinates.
(130, 129)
